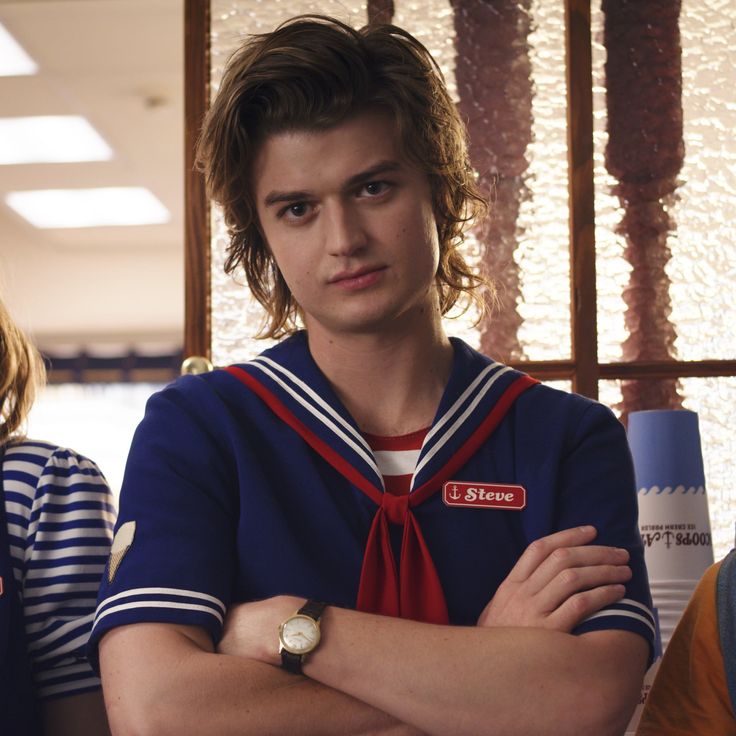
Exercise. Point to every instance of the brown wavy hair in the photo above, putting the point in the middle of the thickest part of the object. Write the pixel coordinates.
(314, 72)
(21, 371)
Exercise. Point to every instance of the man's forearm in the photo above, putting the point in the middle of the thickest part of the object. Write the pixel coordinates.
(440, 679)
(519, 671)
(173, 685)
(475, 681)
(472, 680)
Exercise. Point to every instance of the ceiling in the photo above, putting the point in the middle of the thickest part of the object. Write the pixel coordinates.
(119, 63)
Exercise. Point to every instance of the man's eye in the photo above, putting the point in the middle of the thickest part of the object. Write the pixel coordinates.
(298, 210)
(294, 211)
(374, 188)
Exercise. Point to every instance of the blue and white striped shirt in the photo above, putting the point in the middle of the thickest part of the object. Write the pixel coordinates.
(60, 515)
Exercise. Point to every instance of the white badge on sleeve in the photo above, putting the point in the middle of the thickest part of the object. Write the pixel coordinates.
(120, 545)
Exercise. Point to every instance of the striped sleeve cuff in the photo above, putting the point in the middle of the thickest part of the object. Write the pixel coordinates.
(626, 614)
(156, 605)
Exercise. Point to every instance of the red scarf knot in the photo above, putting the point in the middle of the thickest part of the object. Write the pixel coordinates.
(395, 507)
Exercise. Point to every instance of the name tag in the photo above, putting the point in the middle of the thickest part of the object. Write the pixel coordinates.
(484, 495)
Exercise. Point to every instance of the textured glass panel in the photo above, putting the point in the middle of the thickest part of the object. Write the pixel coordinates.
(703, 266)
(544, 253)
(539, 232)
(698, 272)
(561, 385)
(609, 393)
(432, 22)
(612, 270)
(714, 399)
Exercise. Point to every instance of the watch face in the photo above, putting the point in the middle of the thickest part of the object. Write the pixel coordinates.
(299, 634)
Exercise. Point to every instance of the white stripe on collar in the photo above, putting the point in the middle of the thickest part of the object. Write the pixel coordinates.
(490, 380)
(318, 409)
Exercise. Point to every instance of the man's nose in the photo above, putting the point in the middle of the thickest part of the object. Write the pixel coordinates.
(345, 231)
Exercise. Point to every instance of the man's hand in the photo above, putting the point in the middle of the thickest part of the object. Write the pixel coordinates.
(559, 581)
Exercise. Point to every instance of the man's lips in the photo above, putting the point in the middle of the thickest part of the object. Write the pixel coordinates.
(359, 277)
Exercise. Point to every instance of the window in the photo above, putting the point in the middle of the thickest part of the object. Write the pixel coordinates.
(633, 304)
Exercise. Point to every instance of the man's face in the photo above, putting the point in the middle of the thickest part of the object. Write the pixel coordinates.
(350, 223)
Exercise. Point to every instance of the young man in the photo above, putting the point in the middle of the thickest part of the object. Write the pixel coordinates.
(432, 509)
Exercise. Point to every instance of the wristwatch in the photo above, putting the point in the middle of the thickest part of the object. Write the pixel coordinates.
(299, 635)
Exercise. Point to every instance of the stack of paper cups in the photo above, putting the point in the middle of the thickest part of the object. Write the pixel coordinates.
(673, 508)
(673, 516)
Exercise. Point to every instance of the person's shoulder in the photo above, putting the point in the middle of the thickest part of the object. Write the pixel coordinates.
(222, 383)
(205, 398)
(540, 399)
(52, 462)
(560, 403)
(192, 406)
(220, 380)
(195, 394)
(542, 393)
(38, 475)
(30, 450)
(562, 419)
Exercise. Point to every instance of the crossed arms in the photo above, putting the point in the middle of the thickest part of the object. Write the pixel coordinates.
(519, 671)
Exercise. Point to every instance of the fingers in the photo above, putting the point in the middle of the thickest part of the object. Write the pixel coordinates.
(562, 563)
(575, 580)
(539, 550)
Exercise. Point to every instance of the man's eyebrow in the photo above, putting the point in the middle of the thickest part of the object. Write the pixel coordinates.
(276, 197)
(382, 167)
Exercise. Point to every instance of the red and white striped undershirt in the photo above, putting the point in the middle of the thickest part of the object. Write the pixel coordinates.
(396, 458)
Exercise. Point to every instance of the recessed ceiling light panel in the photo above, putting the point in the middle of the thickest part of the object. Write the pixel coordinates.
(48, 139)
(14, 61)
(104, 207)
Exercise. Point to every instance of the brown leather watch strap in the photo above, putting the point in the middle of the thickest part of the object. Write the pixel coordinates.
(293, 662)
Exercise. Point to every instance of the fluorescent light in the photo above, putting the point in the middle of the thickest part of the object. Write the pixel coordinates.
(105, 207)
(14, 61)
(45, 139)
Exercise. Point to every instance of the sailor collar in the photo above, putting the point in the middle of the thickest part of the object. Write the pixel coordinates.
(478, 395)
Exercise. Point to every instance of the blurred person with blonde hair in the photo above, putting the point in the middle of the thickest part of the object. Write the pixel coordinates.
(55, 530)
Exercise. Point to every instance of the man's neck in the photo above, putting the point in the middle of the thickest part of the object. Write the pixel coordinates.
(390, 383)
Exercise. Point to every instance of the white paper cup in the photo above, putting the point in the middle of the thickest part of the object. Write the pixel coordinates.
(674, 583)
(676, 595)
